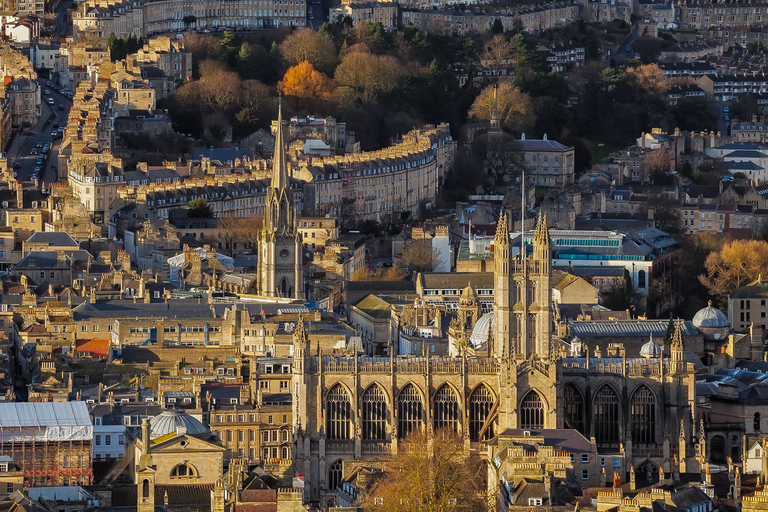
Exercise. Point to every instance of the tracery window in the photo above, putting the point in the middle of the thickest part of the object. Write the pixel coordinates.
(374, 414)
(606, 416)
(334, 475)
(410, 411)
(480, 405)
(338, 414)
(532, 411)
(573, 403)
(446, 409)
(642, 408)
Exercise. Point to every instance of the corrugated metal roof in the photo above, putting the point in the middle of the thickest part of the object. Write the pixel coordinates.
(44, 414)
(628, 328)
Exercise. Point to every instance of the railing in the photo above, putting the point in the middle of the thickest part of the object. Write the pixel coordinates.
(340, 446)
(634, 367)
(647, 451)
(375, 448)
(452, 365)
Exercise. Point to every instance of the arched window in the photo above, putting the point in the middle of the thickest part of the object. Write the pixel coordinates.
(285, 453)
(145, 489)
(374, 414)
(641, 279)
(182, 470)
(532, 411)
(334, 475)
(338, 414)
(446, 409)
(480, 405)
(410, 411)
(573, 403)
(605, 414)
(642, 411)
(756, 422)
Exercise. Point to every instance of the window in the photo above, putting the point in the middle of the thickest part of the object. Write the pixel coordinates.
(446, 409)
(121, 440)
(107, 440)
(535, 502)
(606, 416)
(374, 414)
(266, 436)
(642, 408)
(585, 458)
(410, 411)
(573, 402)
(285, 436)
(182, 470)
(480, 404)
(97, 440)
(334, 475)
(602, 461)
(616, 463)
(585, 474)
(339, 414)
(9, 488)
(532, 411)
(756, 422)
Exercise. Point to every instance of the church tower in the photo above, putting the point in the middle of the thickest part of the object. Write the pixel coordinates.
(523, 295)
(281, 273)
(495, 135)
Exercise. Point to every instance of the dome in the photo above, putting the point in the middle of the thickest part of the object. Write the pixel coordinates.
(169, 421)
(468, 295)
(710, 317)
(480, 332)
(650, 349)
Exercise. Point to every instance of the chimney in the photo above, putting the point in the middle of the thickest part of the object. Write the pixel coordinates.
(19, 196)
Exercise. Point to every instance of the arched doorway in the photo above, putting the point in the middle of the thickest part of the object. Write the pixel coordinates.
(717, 449)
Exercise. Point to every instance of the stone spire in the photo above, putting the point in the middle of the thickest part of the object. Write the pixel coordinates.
(279, 169)
(495, 118)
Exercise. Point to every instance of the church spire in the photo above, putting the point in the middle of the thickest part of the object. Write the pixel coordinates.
(279, 169)
(495, 121)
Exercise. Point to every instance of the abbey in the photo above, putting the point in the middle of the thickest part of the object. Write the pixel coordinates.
(507, 372)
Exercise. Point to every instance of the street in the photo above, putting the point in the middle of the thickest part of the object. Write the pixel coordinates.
(20, 151)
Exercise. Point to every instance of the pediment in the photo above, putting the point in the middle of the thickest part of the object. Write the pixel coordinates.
(185, 443)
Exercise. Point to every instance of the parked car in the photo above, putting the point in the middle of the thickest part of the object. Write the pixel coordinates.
(61, 107)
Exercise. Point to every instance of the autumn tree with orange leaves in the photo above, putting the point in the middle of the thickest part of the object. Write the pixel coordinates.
(737, 264)
(304, 81)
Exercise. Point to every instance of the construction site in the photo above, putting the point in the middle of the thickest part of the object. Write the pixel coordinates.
(50, 441)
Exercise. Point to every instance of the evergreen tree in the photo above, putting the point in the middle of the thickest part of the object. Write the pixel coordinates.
(497, 27)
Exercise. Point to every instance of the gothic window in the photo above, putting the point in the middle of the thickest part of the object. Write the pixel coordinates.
(480, 405)
(446, 409)
(573, 403)
(756, 423)
(642, 410)
(374, 414)
(334, 475)
(410, 411)
(606, 416)
(338, 414)
(532, 411)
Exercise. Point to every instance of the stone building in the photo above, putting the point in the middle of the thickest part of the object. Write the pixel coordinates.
(517, 375)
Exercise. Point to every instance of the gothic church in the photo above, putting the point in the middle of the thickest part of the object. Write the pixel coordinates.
(518, 376)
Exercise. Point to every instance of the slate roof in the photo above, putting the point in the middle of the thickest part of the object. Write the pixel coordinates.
(457, 280)
(128, 309)
(374, 306)
(53, 238)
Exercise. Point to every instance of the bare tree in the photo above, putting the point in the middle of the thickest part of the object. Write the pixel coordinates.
(496, 54)
(431, 473)
(419, 256)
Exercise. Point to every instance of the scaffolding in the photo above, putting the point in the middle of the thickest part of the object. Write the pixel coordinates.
(51, 441)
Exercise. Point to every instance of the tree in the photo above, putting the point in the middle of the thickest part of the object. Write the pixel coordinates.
(313, 47)
(623, 296)
(497, 27)
(368, 74)
(666, 216)
(419, 256)
(238, 233)
(392, 273)
(495, 54)
(738, 263)
(199, 208)
(693, 114)
(515, 109)
(304, 81)
(431, 473)
(656, 165)
(649, 77)
(649, 48)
